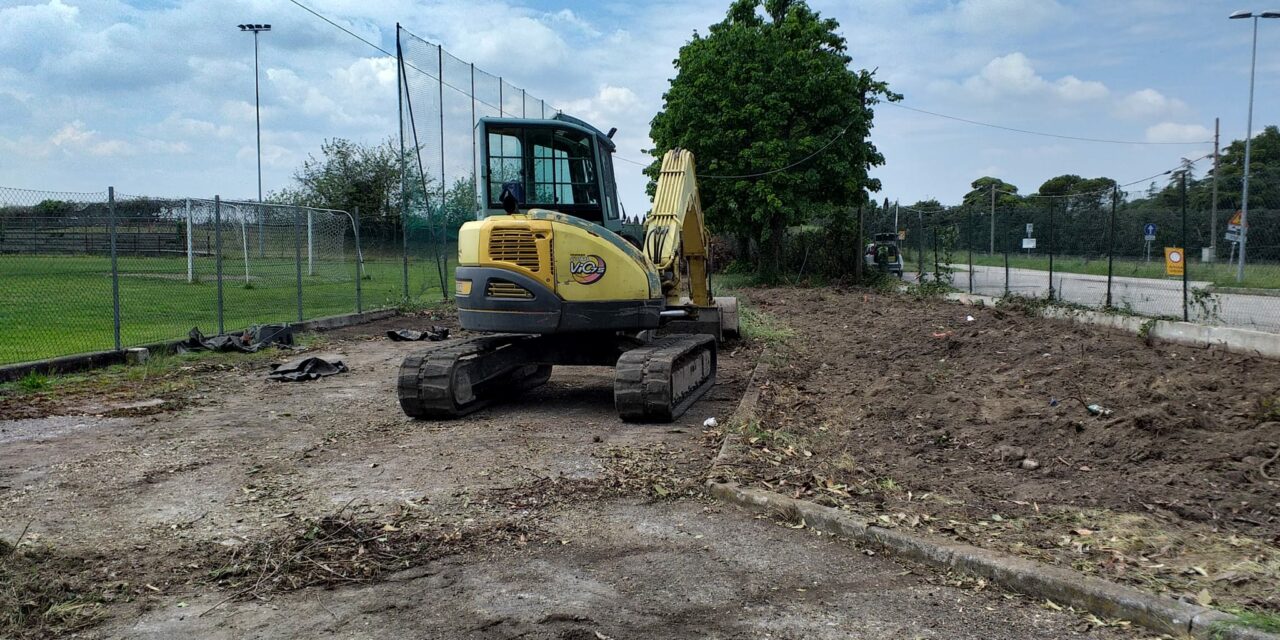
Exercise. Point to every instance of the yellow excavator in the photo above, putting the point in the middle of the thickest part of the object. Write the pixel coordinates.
(548, 275)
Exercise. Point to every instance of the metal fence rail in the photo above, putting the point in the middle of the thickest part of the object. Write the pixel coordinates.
(84, 272)
(1104, 251)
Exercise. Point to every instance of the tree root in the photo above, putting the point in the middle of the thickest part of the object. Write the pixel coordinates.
(1262, 468)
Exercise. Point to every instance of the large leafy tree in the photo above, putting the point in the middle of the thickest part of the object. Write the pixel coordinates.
(777, 120)
(980, 195)
(348, 175)
(1078, 194)
(1264, 172)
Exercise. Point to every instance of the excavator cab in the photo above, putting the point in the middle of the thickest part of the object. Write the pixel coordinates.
(562, 164)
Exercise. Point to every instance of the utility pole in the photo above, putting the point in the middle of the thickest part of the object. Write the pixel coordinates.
(1213, 210)
(991, 249)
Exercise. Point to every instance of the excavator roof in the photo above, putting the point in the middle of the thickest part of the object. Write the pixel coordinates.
(562, 119)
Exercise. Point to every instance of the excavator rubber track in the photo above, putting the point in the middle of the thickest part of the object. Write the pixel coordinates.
(660, 381)
(459, 377)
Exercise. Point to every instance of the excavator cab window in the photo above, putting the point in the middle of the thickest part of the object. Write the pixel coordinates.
(558, 164)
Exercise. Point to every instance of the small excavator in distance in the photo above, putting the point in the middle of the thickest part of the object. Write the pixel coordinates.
(547, 275)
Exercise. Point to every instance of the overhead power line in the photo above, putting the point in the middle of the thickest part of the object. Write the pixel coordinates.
(1037, 133)
(759, 174)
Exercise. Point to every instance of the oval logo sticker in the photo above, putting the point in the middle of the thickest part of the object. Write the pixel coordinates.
(586, 269)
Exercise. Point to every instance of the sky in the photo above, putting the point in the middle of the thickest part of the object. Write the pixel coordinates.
(156, 97)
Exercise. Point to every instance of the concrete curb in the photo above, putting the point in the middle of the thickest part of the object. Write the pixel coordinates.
(1267, 293)
(99, 359)
(1062, 586)
(745, 412)
(1242, 341)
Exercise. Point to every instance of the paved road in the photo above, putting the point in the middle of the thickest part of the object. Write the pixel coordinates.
(1148, 296)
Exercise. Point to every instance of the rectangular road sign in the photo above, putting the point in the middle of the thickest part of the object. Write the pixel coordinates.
(1149, 231)
(1029, 227)
(1174, 261)
(1028, 243)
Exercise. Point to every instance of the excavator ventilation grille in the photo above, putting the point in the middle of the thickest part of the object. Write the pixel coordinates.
(515, 246)
(508, 290)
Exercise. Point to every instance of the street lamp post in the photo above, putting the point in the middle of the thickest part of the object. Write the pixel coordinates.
(257, 114)
(1248, 138)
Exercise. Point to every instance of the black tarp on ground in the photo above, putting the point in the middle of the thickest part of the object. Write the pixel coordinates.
(308, 368)
(434, 334)
(247, 341)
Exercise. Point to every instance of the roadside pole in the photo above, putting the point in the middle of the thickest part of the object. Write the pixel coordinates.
(1186, 266)
(1213, 207)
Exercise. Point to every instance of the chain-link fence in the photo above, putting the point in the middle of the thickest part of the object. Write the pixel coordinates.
(1166, 253)
(86, 272)
(441, 100)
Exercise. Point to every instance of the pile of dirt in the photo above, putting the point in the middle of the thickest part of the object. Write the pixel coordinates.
(1072, 444)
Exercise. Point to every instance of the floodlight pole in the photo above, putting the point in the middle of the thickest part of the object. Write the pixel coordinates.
(257, 115)
(1248, 138)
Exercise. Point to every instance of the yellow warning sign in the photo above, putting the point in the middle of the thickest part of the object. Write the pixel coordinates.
(1235, 219)
(1173, 261)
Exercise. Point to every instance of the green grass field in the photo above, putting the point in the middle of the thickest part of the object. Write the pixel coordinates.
(61, 305)
(1264, 275)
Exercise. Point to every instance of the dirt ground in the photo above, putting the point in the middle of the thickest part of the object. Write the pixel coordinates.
(212, 504)
(973, 423)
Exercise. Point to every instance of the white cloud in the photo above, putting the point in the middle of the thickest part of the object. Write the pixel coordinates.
(1004, 16)
(1149, 104)
(1014, 75)
(1175, 132)
(608, 104)
(1077, 90)
(568, 17)
(521, 44)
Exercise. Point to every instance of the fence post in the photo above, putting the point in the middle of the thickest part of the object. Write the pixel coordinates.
(937, 274)
(442, 260)
(217, 252)
(115, 268)
(1051, 248)
(920, 257)
(1006, 271)
(859, 247)
(297, 256)
(1186, 264)
(404, 200)
(1111, 240)
(355, 226)
(311, 250)
(970, 243)
(191, 256)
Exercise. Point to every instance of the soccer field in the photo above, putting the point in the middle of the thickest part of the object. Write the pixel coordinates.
(60, 305)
